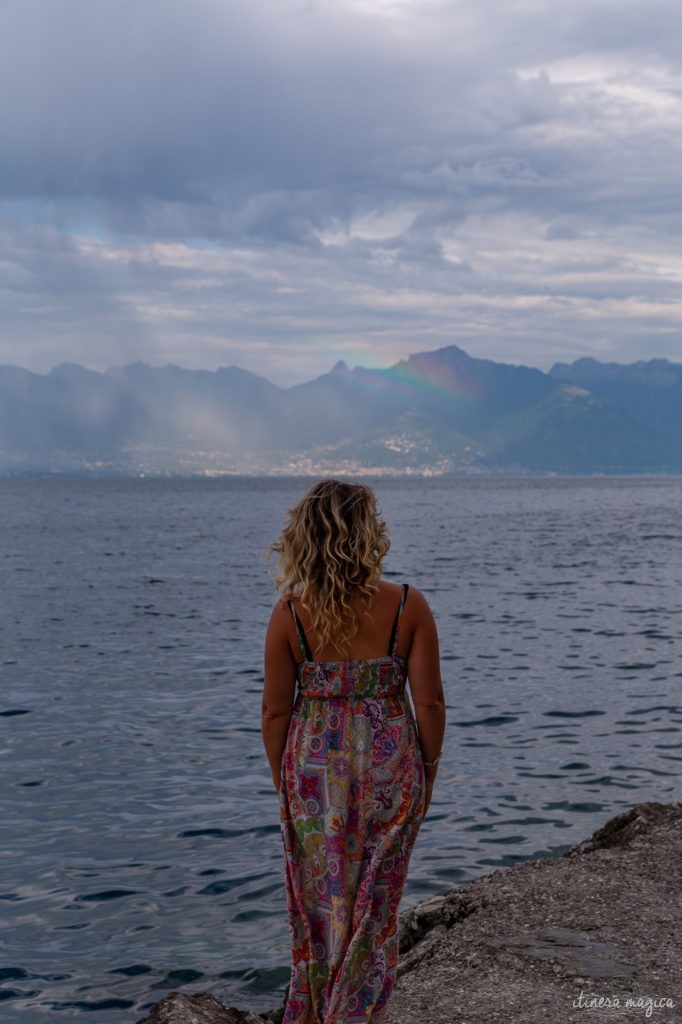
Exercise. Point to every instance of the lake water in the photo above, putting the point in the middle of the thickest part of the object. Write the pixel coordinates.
(140, 832)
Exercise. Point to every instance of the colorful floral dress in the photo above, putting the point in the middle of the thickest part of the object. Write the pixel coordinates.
(352, 798)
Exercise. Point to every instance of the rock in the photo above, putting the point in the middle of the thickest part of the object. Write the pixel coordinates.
(624, 827)
(532, 943)
(447, 909)
(202, 1008)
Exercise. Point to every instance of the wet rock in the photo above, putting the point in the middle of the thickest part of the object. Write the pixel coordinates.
(574, 950)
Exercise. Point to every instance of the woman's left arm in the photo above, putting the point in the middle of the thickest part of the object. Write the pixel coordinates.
(279, 688)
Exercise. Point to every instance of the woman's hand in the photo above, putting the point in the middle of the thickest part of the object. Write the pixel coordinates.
(429, 779)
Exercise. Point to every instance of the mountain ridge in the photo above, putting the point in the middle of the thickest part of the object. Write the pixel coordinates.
(438, 411)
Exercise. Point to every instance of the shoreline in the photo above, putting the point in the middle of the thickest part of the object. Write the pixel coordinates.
(593, 934)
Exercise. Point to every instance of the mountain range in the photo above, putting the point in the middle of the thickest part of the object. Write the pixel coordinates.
(433, 413)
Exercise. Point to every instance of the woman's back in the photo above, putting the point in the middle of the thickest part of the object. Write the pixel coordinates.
(374, 635)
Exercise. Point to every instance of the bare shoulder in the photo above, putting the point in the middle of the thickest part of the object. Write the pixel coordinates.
(280, 608)
(385, 599)
(280, 617)
(418, 627)
(418, 617)
(388, 590)
(280, 638)
(416, 605)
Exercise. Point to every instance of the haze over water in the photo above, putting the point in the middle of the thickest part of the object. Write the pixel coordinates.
(140, 849)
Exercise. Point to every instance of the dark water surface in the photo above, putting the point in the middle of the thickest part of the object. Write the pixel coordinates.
(140, 834)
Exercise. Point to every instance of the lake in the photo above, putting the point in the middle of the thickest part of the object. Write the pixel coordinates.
(140, 830)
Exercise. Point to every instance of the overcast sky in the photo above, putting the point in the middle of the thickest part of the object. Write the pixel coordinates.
(283, 183)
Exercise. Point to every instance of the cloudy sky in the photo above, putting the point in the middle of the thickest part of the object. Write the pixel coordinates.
(283, 183)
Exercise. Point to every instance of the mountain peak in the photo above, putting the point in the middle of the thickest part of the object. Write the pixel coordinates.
(70, 370)
(448, 352)
(340, 367)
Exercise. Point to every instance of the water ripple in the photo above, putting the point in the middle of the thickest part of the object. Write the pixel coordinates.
(141, 848)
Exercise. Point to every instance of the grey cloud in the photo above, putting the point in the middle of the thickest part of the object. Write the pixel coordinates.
(238, 111)
(270, 132)
(168, 100)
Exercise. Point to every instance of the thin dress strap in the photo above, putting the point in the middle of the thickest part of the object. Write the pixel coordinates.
(302, 638)
(393, 642)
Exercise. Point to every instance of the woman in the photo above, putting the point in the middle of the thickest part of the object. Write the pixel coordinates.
(354, 778)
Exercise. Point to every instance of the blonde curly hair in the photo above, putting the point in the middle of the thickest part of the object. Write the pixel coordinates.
(332, 547)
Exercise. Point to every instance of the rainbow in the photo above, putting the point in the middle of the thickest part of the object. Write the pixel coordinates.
(436, 380)
(431, 380)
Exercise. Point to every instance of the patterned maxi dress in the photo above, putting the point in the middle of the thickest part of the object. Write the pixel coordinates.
(351, 799)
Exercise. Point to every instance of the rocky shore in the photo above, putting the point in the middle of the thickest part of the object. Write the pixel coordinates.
(592, 935)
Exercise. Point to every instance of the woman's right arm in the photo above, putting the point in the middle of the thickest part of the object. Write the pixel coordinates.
(279, 688)
(426, 687)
